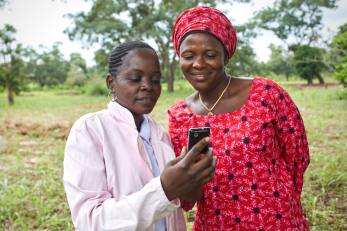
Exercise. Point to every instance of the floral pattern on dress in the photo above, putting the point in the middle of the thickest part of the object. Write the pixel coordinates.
(262, 155)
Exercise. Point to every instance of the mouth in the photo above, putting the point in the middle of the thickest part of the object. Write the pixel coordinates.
(200, 76)
(146, 100)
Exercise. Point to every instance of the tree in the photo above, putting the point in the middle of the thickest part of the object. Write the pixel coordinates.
(3, 3)
(244, 61)
(335, 52)
(77, 74)
(77, 60)
(76, 77)
(304, 65)
(280, 62)
(301, 19)
(49, 68)
(341, 68)
(111, 22)
(11, 63)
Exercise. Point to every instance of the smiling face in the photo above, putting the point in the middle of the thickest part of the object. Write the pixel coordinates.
(137, 85)
(202, 61)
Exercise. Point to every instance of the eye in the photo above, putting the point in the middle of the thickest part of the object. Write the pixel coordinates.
(188, 57)
(135, 80)
(155, 80)
(211, 56)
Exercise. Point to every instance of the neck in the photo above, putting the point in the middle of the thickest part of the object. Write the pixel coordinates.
(137, 119)
(211, 96)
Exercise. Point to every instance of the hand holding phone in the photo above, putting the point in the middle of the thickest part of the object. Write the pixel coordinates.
(195, 135)
(183, 175)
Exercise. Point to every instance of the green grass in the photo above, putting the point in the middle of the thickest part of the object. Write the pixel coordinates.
(33, 135)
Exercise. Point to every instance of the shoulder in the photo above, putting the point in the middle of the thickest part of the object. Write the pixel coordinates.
(91, 119)
(178, 109)
(180, 112)
(153, 123)
(161, 134)
(270, 93)
(266, 88)
(266, 84)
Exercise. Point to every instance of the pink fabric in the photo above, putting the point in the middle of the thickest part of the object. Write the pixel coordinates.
(108, 175)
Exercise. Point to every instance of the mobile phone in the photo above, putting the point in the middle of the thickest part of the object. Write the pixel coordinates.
(195, 135)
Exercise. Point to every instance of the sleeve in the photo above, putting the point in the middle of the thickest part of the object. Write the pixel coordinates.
(185, 205)
(174, 135)
(92, 205)
(291, 135)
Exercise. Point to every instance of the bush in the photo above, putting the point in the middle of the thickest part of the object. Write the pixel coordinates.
(76, 77)
(96, 86)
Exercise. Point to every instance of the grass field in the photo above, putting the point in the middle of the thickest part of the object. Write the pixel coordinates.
(33, 134)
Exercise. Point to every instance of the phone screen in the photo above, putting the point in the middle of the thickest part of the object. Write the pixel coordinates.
(195, 135)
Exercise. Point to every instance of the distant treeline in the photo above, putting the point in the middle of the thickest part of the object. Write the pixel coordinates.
(311, 54)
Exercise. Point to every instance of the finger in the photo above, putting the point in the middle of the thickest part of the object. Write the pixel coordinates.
(207, 179)
(183, 152)
(200, 157)
(208, 174)
(180, 157)
(206, 161)
(214, 162)
(196, 150)
(174, 161)
(209, 169)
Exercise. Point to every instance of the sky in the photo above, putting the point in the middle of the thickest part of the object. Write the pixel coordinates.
(43, 22)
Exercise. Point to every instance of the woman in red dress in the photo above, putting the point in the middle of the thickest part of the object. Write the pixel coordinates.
(257, 133)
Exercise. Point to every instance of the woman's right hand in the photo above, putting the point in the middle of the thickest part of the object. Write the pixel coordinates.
(182, 175)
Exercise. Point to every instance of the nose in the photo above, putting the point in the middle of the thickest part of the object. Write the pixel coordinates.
(147, 84)
(199, 62)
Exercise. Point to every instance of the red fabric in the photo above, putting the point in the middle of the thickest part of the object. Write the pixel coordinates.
(262, 155)
(206, 19)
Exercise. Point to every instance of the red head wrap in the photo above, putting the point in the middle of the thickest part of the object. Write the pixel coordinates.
(207, 20)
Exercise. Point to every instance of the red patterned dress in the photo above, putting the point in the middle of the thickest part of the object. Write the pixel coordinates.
(262, 155)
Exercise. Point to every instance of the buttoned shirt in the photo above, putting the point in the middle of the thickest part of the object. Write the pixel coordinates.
(145, 135)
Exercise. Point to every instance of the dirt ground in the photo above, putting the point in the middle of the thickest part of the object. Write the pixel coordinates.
(330, 85)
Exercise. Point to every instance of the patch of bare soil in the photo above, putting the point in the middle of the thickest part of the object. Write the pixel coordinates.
(68, 93)
(26, 95)
(59, 130)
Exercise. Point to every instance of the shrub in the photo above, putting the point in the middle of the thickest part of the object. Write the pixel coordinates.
(96, 86)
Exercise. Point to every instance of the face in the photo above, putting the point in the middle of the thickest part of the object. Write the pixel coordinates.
(202, 61)
(137, 85)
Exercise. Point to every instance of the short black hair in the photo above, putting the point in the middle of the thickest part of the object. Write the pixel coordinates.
(122, 50)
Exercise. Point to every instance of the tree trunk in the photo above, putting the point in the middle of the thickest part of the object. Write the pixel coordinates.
(10, 95)
(321, 80)
(309, 81)
(287, 77)
(168, 65)
(171, 74)
(169, 80)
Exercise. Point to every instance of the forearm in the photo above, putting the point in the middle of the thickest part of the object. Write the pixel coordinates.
(136, 211)
(194, 195)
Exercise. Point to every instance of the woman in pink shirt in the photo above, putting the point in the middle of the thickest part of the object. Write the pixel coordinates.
(120, 171)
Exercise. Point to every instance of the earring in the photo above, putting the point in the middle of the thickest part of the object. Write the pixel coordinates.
(183, 77)
(225, 68)
(114, 99)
